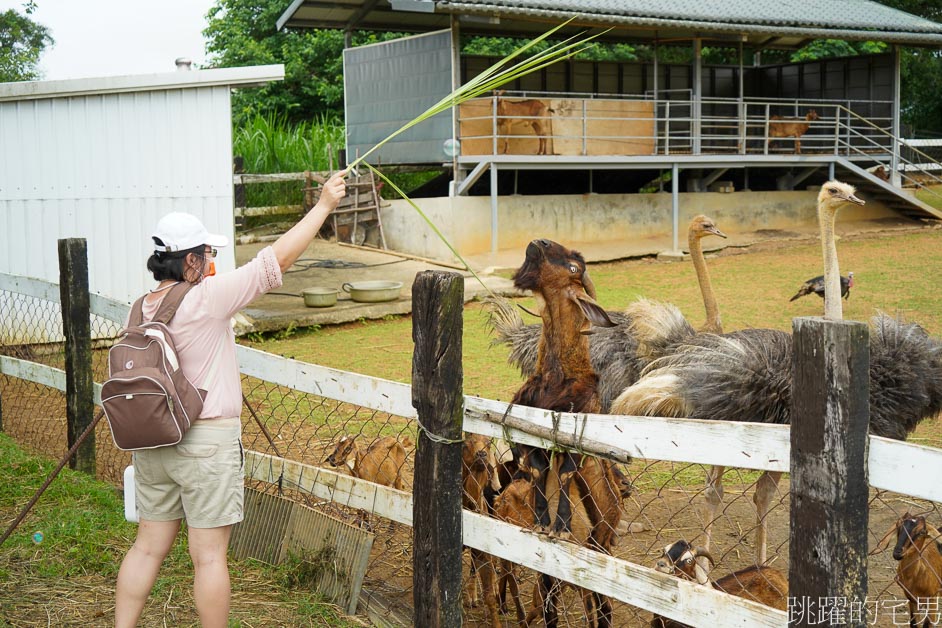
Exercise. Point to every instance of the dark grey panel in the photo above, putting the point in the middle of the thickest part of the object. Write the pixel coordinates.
(389, 84)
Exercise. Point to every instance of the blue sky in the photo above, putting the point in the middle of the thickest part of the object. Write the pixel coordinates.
(117, 37)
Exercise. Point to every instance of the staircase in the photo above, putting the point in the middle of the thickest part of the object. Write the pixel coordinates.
(901, 200)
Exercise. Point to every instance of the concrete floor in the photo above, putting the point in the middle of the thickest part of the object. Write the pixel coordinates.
(329, 264)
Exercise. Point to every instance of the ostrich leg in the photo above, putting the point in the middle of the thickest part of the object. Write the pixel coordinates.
(765, 489)
(713, 494)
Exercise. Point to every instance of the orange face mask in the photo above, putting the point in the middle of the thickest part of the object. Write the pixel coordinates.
(212, 269)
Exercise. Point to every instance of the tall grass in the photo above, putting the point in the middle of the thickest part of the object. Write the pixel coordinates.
(270, 144)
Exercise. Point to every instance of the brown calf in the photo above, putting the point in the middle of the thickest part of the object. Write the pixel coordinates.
(530, 112)
(790, 127)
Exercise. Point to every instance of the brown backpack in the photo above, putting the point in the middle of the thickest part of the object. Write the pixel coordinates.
(147, 399)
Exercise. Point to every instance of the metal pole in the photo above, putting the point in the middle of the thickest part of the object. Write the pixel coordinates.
(675, 204)
(493, 207)
(894, 162)
(697, 95)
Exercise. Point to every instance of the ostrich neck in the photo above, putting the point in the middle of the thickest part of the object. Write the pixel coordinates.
(832, 274)
(713, 322)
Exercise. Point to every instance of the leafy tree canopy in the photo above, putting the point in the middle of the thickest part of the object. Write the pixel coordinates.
(22, 41)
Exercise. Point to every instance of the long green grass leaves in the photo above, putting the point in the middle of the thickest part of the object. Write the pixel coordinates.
(269, 144)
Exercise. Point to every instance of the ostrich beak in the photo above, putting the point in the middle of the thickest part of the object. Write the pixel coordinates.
(850, 198)
(716, 232)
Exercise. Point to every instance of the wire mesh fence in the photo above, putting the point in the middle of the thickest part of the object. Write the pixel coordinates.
(659, 502)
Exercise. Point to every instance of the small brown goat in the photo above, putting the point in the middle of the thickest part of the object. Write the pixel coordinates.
(565, 381)
(513, 505)
(790, 127)
(477, 466)
(382, 462)
(759, 583)
(919, 572)
(530, 112)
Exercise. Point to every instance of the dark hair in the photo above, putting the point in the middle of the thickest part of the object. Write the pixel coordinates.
(171, 265)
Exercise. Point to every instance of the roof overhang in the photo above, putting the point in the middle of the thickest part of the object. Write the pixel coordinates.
(499, 17)
(249, 76)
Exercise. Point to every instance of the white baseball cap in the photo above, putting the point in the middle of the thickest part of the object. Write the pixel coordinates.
(180, 231)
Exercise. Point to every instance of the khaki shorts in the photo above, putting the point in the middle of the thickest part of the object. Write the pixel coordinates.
(199, 480)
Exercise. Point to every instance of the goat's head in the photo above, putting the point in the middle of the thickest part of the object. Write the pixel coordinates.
(811, 115)
(680, 559)
(343, 451)
(550, 270)
(907, 530)
(702, 226)
(476, 453)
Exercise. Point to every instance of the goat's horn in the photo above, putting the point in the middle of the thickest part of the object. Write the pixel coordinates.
(589, 285)
(699, 551)
(528, 311)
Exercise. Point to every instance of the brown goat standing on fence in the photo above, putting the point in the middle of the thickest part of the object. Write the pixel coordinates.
(530, 112)
(478, 469)
(761, 584)
(565, 381)
(919, 572)
(790, 127)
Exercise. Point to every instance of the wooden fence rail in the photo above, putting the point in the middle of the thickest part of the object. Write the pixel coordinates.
(892, 465)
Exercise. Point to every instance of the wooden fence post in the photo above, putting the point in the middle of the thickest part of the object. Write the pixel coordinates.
(238, 191)
(827, 569)
(437, 308)
(76, 325)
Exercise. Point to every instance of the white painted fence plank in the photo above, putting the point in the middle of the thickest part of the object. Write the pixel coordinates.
(330, 485)
(634, 584)
(362, 390)
(29, 286)
(743, 445)
(109, 308)
(905, 468)
(33, 372)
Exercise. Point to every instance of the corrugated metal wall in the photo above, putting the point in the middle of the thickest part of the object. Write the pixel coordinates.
(389, 84)
(105, 168)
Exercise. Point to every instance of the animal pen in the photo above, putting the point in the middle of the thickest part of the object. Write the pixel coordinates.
(823, 531)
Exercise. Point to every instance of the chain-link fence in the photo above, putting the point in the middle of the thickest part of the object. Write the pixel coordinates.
(303, 413)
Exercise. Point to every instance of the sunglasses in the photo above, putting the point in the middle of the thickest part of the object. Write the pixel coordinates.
(211, 253)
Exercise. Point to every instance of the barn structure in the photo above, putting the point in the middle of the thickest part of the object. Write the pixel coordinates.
(744, 139)
(102, 159)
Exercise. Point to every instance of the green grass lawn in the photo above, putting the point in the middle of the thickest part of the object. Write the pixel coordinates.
(59, 566)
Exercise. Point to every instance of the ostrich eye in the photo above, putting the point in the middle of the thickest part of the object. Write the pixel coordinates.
(833, 190)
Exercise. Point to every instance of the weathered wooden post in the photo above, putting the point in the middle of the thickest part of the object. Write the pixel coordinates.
(238, 191)
(76, 326)
(437, 308)
(827, 570)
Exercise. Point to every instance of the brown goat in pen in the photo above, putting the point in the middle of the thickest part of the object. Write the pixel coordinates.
(919, 572)
(382, 462)
(530, 112)
(758, 583)
(564, 381)
(478, 472)
(790, 127)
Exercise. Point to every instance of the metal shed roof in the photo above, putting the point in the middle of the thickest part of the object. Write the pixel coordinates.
(791, 22)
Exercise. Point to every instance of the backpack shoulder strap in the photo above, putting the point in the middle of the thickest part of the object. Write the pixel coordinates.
(168, 307)
(137, 313)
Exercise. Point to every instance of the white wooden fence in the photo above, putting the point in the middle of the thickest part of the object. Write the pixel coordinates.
(896, 466)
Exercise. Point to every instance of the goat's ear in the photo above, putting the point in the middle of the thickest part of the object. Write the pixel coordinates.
(593, 311)
(892, 533)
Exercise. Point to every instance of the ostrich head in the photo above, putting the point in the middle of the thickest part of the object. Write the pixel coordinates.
(833, 195)
(702, 226)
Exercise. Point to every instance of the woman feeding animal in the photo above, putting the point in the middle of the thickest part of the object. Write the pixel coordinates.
(200, 479)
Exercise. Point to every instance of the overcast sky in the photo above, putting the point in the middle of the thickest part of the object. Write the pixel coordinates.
(116, 37)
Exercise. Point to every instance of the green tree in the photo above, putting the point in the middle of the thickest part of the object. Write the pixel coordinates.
(242, 32)
(22, 41)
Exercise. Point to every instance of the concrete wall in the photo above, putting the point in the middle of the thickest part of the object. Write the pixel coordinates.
(643, 219)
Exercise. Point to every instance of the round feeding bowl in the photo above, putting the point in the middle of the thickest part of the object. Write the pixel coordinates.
(319, 297)
(373, 291)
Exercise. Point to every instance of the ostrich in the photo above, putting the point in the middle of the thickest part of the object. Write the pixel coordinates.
(816, 286)
(746, 375)
(614, 351)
